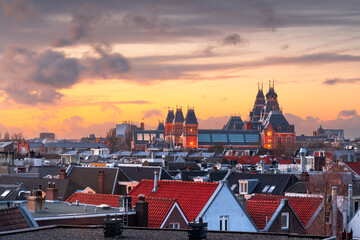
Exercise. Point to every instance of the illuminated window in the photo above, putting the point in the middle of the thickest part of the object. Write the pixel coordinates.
(191, 143)
(269, 140)
(269, 133)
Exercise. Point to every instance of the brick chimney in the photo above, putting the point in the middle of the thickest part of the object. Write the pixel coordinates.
(101, 182)
(142, 212)
(35, 202)
(52, 193)
(62, 174)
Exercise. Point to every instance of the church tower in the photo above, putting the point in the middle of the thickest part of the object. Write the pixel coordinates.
(178, 125)
(259, 104)
(169, 122)
(190, 133)
(271, 104)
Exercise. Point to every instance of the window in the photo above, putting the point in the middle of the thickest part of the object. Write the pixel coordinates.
(139, 136)
(146, 137)
(224, 223)
(356, 206)
(243, 187)
(266, 188)
(272, 188)
(175, 225)
(288, 140)
(269, 133)
(285, 220)
(279, 140)
(5, 193)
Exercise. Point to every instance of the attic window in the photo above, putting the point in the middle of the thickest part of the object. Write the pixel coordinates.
(272, 188)
(285, 220)
(243, 187)
(289, 128)
(233, 187)
(5, 193)
(266, 188)
(279, 129)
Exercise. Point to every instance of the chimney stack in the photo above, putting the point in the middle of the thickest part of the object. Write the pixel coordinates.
(101, 182)
(52, 193)
(262, 162)
(350, 205)
(334, 211)
(303, 159)
(35, 202)
(62, 174)
(156, 176)
(142, 211)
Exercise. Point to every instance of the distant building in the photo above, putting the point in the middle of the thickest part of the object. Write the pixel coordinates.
(47, 137)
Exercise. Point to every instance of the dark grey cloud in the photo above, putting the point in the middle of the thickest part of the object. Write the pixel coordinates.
(30, 77)
(145, 21)
(232, 39)
(19, 11)
(347, 113)
(334, 81)
(109, 65)
(80, 26)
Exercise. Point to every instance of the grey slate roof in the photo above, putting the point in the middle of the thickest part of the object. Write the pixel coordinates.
(161, 126)
(179, 117)
(137, 173)
(170, 116)
(234, 123)
(45, 170)
(188, 175)
(13, 195)
(277, 120)
(281, 181)
(75, 145)
(191, 117)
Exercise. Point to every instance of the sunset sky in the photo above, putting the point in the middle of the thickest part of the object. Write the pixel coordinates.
(80, 67)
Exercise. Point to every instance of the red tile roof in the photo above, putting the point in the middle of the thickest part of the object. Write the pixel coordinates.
(258, 210)
(285, 161)
(354, 166)
(158, 207)
(95, 199)
(191, 196)
(11, 219)
(304, 207)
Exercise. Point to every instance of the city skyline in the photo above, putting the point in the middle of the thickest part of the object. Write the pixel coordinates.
(80, 68)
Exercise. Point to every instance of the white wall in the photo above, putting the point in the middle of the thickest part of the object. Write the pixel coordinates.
(354, 224)
(225, 204)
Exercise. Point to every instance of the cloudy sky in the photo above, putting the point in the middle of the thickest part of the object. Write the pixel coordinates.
(80, 67)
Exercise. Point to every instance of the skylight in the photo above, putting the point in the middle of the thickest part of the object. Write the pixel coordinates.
(272, 188)
(266, 188)
(4, 194)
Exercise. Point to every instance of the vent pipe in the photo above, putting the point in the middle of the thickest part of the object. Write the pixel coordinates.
(156, 178)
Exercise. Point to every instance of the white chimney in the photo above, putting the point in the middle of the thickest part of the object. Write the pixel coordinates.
(262, 162)
(350, 203)
(334, 211)
(303, 159)
(156, 175)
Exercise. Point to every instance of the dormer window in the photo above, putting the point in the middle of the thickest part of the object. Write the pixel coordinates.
(289, 128)
(243, 187)
(279, 129)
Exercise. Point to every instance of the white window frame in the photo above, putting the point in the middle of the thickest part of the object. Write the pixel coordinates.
(243, 187)
(287, 215)
(224, 223)
(174, 225)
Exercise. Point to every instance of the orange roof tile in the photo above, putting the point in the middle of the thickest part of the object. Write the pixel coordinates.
(304, 207)
(191, 196)
(261, 211)
(354, 166)
(158, 207)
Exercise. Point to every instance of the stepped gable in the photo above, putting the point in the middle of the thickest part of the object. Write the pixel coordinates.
(179, 117)
(261, 211)
(278, 122)
(191, 196)
(191, 117)
(170, 116)
(234, 123)
(304, 207)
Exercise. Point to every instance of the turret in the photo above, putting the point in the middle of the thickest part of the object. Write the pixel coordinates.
(178, 125)
(169, 122)
(259, 104)
(190, 133)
